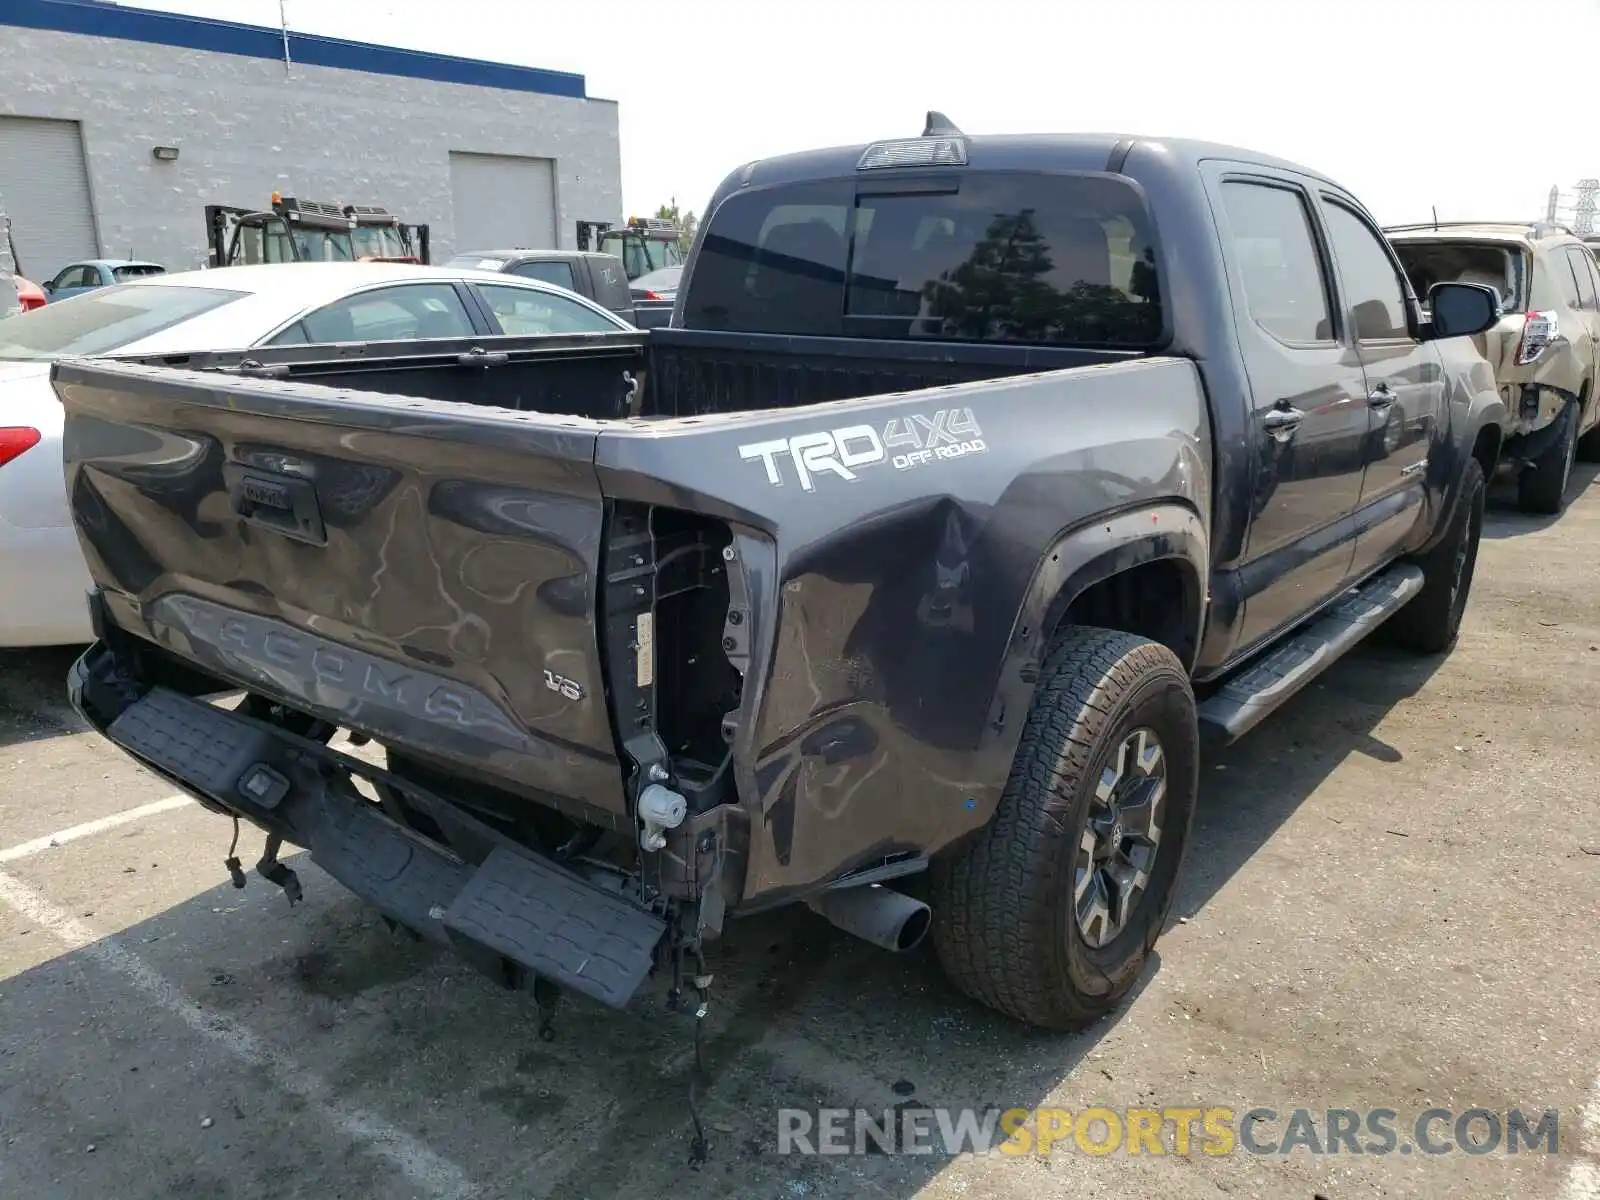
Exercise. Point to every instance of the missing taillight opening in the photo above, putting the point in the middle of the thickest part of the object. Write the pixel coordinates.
(666, 613)
(16, 441)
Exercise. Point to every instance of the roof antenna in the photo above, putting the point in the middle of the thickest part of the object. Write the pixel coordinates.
(939, 125)
(1436, 218)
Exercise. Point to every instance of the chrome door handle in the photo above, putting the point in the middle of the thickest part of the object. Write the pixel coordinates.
(1380, 396)
(1283, 420)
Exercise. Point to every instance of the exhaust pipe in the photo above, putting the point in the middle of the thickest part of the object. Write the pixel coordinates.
(876, 914)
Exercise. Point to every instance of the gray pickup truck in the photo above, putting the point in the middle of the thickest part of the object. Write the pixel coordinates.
(986, 479)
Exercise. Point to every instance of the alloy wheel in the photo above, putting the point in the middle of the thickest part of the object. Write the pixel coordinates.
(1117, 849)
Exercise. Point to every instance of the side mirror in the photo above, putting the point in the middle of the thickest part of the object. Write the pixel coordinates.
(1462, 309)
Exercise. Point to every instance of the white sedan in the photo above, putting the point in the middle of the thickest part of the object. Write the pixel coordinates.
(42, 575)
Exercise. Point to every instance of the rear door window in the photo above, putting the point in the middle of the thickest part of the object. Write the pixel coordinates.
(1372, 285)
(1581, 277)
(1586, 259)
(412, 310)
(1566, 281)
(526, 310)
(558, 273)
(1063, 259)
(1285, 291)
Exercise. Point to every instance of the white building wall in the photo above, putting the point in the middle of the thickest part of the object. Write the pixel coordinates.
(246, 127)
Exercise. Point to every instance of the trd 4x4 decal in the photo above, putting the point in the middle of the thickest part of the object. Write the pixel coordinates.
(904, 443)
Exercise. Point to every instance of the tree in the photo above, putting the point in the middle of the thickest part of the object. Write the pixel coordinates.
(1003, 291)
(687, 222)
(1000, 290)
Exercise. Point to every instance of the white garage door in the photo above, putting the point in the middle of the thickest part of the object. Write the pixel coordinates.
(502, 201)
(45, 191)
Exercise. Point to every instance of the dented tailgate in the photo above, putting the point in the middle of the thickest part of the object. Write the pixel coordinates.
(421, 571)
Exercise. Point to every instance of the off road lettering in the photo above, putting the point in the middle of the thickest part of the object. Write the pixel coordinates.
(947, 433)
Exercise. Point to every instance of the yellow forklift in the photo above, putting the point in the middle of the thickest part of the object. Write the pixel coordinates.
(644, 244)
(293, 230)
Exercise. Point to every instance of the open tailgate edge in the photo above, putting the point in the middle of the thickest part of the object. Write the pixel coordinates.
(421, 571)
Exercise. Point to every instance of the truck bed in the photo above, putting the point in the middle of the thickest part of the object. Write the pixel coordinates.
(528, 607)
(680, 372)
(696, 373)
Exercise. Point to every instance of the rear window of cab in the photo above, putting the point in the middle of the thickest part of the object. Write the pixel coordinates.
(1499, 265)
(996, 257)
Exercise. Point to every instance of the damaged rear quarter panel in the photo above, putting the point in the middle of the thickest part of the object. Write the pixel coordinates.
(893, 542)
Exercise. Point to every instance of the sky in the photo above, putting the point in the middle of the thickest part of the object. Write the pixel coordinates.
(1476, 107)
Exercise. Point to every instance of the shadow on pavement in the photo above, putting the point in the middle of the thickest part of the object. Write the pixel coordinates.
(805, 1017)
(33, 695)
(1506, 520)
(1251, 788)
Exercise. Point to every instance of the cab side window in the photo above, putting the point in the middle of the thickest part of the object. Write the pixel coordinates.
(1286, 293)
(1371, 280)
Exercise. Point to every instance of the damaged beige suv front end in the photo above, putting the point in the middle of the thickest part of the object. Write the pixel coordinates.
(1543, 349)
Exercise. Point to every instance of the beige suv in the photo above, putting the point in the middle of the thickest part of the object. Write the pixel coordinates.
(1545, 346)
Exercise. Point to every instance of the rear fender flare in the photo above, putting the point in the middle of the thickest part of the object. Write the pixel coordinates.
(1075, 562)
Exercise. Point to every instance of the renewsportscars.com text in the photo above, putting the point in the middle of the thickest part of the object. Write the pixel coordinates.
(1213, 1131)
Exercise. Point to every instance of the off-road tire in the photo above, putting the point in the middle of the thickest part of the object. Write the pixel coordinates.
(1430, 623)
(1542, 485)
(1005, 927)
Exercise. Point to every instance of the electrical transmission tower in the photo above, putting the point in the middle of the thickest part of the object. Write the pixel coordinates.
(1583, 211)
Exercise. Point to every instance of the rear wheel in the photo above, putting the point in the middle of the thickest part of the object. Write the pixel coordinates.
(1430, 623)
(1542, 486)
(1049, 914)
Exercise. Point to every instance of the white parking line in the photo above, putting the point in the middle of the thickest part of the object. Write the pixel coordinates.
(1583, 1177)
(89, 828)
(1583, 1182)
(426, 1170)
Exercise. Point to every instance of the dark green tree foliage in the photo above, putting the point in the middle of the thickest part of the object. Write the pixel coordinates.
(1003, 292)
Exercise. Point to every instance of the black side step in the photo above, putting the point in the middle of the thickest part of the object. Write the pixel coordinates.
(1245, 700)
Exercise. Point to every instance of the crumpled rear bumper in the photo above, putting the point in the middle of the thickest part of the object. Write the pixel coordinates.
(497, 904)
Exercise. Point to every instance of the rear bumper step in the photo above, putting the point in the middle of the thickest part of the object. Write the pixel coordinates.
(533, 911)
